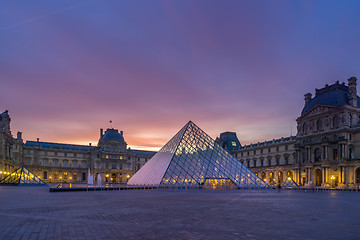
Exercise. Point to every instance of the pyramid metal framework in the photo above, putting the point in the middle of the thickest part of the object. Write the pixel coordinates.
(289, 183)
(192, 157)
(22, 176)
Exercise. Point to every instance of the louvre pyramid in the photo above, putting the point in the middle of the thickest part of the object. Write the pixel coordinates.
(192, 157)
(22, 176)
(289, 183)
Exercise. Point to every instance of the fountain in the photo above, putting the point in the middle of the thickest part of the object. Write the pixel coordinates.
(90, 178)
(98, 180)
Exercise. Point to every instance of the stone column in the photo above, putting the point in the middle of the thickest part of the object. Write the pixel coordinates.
(324, 175)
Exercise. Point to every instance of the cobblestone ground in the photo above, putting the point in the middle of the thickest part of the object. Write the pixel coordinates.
(34, 213)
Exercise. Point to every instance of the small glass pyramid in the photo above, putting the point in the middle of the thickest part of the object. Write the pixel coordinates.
(289, 183)
(192, 157)
(22, 176)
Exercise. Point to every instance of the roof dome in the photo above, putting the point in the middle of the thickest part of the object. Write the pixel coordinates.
(113, 134)
(333, 95)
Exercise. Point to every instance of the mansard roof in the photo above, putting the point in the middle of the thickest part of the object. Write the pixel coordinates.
(60, 146)
(331, 95)
(269, 143)
(113, 134)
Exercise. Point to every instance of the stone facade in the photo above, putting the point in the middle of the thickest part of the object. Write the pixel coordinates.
(326, 149)
(57, 162)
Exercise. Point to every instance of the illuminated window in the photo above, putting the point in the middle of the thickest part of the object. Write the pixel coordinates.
(233, 143)
(107, 156)
(121, 157)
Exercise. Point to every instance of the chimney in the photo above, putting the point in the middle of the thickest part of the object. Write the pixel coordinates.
(19, 135)
(121, 132)
(307, 98)
(101, 133)
(37, 139)
(352, 91)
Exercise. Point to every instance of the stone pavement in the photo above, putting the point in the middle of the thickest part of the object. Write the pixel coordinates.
(34, 213)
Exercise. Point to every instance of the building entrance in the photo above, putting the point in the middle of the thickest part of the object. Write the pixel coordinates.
(318, 177)
(219, 183)
(357, 175)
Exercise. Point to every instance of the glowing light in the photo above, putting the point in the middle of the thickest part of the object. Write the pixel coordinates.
(128, 176)
(289, 178)
(107, 175)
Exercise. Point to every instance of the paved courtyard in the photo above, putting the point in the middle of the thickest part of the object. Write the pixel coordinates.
(34, 213)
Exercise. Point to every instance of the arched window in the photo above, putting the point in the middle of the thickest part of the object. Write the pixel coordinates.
(45, 175)
(83, 176)
(319, 125)
(305, 128)
(317, 154)
(350, 120)
(335, 121)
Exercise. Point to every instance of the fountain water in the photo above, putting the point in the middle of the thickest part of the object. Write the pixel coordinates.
(98, 180)
(90, 178)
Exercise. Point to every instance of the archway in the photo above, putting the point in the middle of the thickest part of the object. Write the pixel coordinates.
(318, 177)
(263, 176)
(290, 174)
(113, 178)
(280, 177)
(271, 178)
(357, 175)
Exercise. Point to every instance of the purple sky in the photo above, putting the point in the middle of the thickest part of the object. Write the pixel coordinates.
(68, 67)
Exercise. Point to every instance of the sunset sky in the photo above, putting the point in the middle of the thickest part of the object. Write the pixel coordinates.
(69, 67)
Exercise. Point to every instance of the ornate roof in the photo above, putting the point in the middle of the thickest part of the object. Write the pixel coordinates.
(331, 95)
(112, 134)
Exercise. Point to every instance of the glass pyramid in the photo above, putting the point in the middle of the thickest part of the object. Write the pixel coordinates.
(289, 183)
(192, 157)
(22, 176)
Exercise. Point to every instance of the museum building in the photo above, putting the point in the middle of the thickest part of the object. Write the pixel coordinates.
(325, 150)
(59, 162)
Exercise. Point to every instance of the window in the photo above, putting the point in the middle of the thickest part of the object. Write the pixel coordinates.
(317, 154)
(319, 125)
(45, 162)
(83, 176)
(335, 121)
(106, 165)
(286, 147)
(269, 150)
(45, 153)
(278, 161)
(350, 153)
(107, 156)
(254, 162)
(305, 128)
(55, 154)
(248, 153)
(83, 164)
(233, 144)
(286, 160)
(74, 154)
(248, 164)
(121, 157)
(261, 151)
(262, 162)
(113, 166)
(45, 175)
(335, 154)
(242, 154)
(254, 152)
(65, 154)
(350, 120)
(277, 149)
(65, 163)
